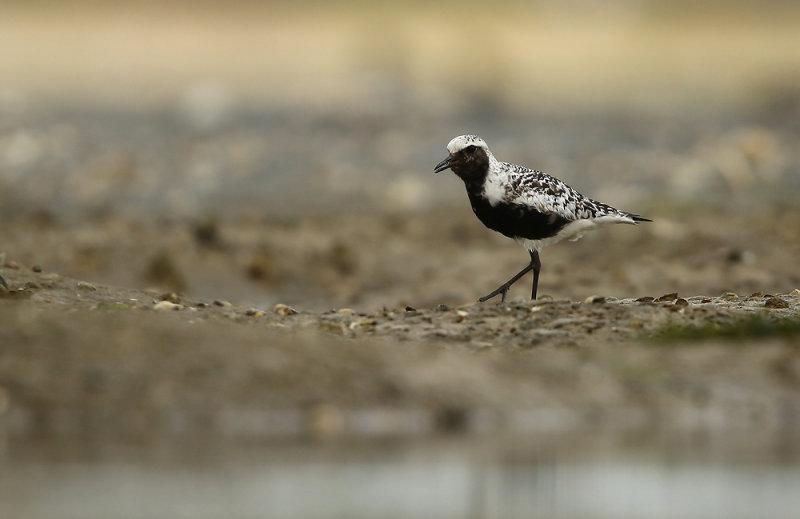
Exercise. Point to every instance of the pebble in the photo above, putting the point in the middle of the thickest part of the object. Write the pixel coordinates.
(219, 302)
(646, 299)
(36, 268)
(163, 306)
(284, 310)
(667, 298)
(172, 297)
(365, 324)
(681, 302)
(12, 265)
(254, 312)
(595, 300)
(795, 292)
(83, 285)
(776, 302)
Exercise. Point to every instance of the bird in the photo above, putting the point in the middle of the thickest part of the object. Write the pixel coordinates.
(529, 206)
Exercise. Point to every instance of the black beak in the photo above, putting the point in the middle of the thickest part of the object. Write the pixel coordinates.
(443, 165)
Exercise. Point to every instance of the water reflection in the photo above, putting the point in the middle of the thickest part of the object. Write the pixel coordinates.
(528, 478)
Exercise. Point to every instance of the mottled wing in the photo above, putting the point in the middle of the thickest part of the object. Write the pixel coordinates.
(549, 195)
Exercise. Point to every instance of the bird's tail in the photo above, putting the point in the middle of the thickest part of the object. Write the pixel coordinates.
(638, 218)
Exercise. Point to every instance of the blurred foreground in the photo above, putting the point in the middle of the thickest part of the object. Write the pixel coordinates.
(126, 403)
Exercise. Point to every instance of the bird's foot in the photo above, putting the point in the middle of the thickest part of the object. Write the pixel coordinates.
(501, 290)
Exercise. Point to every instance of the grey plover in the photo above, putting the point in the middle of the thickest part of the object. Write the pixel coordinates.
(529, 206)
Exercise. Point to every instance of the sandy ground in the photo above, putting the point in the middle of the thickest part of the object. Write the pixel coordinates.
(402, 349)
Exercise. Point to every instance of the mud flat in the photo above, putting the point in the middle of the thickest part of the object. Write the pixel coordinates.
(78, 358)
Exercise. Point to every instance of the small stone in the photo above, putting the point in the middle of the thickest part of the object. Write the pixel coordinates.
(219, 302)
(83, 285)
(163, 306)
(36, 268)
(795, 292)
(594, 300)
(646, 299)
(284, 310)
(346, 311)
(441, 307)
(172, 297)
(365, 324)
(729, 296)
(462, 313)
(776, 302)
(756, 295)
(12, 265)
(681, 302)
(201, 305)
(31, 285)
(734, 256)
(254, 312)
(667, 298)
(410, 309)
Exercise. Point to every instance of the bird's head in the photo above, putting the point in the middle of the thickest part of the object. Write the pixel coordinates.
(469, 156)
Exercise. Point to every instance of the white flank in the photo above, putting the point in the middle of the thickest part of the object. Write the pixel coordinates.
(573, 231)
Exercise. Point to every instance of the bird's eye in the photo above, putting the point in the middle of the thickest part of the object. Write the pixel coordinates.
(470, 149)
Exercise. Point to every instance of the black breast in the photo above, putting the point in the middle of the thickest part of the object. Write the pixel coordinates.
(515, 220)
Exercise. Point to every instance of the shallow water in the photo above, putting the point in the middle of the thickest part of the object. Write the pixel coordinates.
(591, 477)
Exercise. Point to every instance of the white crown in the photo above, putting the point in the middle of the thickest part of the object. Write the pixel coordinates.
(462, 141)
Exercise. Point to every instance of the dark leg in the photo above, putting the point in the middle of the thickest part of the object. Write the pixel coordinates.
(534, 265)
(537, 265)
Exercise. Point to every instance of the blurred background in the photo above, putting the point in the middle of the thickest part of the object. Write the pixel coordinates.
(213, 120)
(267, 152)
(222, 122)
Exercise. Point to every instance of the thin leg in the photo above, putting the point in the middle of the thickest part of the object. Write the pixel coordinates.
(537, 266)
(534, 265)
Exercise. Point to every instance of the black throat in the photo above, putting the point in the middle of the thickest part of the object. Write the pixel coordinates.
(472, 168)
(507, 218)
